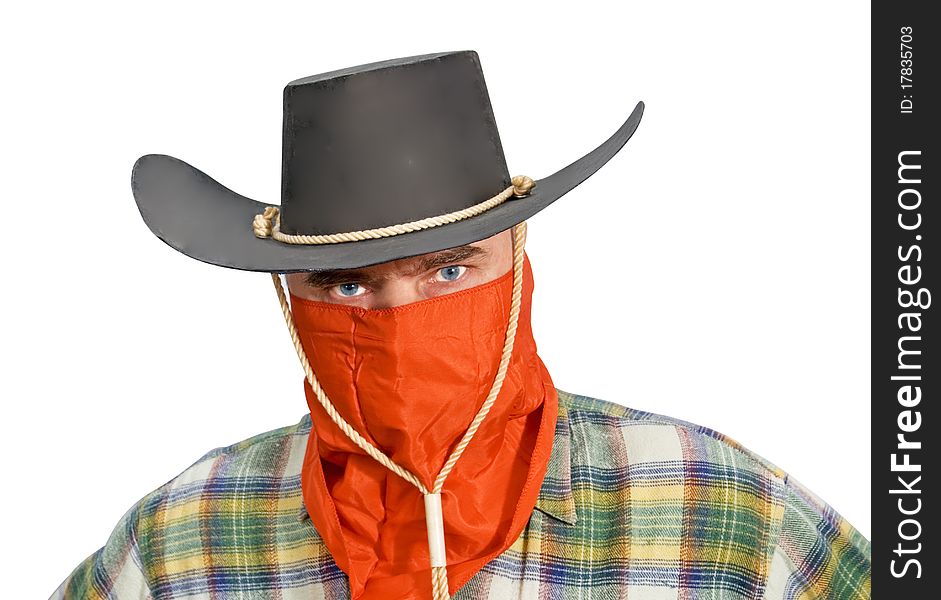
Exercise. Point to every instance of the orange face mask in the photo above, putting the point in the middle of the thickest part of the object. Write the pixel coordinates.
(410, 379)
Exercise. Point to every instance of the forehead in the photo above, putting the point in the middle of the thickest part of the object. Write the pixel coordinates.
(475, 251)
(404, 267)
(481, 253)
(478, 251)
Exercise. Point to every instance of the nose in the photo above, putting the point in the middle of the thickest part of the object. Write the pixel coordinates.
(396, 292)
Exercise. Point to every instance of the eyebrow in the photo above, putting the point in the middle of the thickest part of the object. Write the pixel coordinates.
(331, 277)
(451, 255)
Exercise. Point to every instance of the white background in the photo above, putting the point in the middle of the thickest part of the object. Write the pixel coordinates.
(716, 270)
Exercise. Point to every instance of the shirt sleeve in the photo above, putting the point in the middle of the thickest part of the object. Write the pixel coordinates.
(819, 555)
(113, 572)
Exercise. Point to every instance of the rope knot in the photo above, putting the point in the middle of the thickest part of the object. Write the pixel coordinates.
(522, 185)
(263, 223)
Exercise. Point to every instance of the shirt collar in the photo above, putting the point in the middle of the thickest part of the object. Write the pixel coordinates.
(555, 497)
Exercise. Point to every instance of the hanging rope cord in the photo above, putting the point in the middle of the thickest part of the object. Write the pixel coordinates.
(433, 512)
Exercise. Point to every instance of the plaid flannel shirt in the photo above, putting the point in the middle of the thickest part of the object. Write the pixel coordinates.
(633, 505)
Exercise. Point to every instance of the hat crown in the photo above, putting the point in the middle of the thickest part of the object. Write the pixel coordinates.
(388, 143)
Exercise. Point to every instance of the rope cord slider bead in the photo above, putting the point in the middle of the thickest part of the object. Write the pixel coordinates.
(434, 522)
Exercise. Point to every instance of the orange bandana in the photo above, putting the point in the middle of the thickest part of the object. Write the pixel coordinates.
(410, 380)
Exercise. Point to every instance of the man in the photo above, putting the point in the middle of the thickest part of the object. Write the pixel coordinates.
(438, 458)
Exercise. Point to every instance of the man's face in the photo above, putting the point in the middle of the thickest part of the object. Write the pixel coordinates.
(409, 279)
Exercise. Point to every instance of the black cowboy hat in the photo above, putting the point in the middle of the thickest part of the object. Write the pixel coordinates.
(365, 147)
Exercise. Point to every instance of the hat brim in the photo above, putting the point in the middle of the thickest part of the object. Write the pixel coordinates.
(203, 219)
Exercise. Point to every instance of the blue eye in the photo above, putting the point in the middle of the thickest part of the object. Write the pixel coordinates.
(350, 289)
(452, 273)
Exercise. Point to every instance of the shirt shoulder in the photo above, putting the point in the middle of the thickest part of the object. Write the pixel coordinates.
(249, 453)
(235, 513)
(706, 509)
(818, 553)
(654, 431)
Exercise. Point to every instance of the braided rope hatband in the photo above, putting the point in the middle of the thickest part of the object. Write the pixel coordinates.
(433, 512)
(268, 223)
